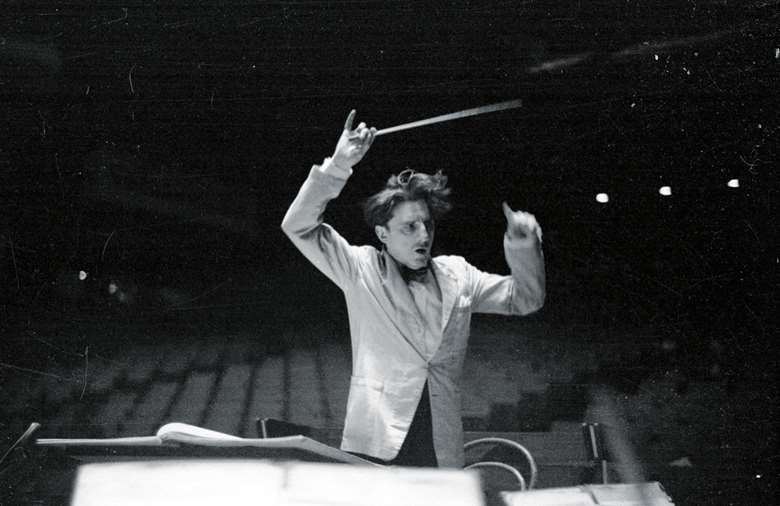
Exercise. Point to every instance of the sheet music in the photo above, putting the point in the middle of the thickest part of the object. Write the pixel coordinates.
(175, 434)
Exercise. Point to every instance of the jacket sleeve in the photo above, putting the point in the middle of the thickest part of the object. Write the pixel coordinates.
(521, 293)
(318, 241)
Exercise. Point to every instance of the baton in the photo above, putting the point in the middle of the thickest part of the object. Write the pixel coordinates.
(510, 104)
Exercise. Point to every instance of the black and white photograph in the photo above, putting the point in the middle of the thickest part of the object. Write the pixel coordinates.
(389, 252)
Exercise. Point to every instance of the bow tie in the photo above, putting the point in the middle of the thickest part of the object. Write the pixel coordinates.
(410, 275)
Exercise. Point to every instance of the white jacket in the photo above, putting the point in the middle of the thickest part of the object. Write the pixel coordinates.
(389, 368)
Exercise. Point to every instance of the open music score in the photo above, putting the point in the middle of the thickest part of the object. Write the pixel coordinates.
(178, 434)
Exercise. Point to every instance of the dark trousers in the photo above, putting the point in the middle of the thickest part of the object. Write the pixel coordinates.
(417, 449)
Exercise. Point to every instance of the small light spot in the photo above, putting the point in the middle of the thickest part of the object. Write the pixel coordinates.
(777, 53)
(82, 275)
(112, 288)
(733, 183)
(602, 198)
(695, 53)
(760, 126)
(633, 104)
(665, 191)
(655, 56)
(758, 476)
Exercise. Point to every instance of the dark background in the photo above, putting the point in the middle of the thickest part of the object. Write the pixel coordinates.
(158, 145)
(149, 150)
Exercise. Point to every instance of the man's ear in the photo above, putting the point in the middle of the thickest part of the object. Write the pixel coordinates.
(381, 233)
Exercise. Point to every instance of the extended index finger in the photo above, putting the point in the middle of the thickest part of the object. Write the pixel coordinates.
(350, 119)
(507, 210)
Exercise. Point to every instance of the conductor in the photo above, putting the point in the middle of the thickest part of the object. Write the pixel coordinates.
(409, 314)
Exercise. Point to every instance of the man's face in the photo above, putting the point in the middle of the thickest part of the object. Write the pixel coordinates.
(408, 235)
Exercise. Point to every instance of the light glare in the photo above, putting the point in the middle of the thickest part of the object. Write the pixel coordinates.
(665, 191)
(602, 198)
(734, 183)
(82, 275)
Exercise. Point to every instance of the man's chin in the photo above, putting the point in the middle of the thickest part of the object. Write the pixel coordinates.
(420, 261)
(414, 261)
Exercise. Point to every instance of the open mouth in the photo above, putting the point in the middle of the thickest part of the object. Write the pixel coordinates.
(421, 251)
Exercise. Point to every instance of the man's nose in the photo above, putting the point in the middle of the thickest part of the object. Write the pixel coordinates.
(422, 232)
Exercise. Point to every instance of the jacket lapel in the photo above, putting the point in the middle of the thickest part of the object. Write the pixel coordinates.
(449, 286)
(400, 298)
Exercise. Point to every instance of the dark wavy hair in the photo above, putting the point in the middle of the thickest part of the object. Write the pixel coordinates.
(405, 187)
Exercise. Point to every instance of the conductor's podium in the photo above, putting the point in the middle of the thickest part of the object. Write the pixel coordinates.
(187, 465)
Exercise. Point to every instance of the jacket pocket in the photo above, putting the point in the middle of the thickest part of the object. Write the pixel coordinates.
(363, 423)
(458, 326)
(371, 383)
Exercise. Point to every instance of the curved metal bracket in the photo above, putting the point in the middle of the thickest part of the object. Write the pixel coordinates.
(505, 467)
(512, 444)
